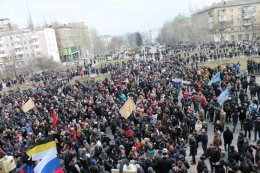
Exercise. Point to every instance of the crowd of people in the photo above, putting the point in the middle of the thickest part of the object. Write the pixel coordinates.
(175, 107)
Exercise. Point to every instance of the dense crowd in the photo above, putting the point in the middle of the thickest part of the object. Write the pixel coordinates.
(175, 106)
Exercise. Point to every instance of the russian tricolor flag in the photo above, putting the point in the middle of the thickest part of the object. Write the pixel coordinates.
(49, 164)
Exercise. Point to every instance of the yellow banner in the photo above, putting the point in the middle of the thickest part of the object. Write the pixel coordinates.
(127, 108)
(28, 106)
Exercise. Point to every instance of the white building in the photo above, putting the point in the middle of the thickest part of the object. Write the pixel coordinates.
(106, 40)
(154, 35)
(17, 47)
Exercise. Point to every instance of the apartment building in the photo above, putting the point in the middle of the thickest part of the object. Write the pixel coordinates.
(235, 20)
(154, 35)
(17, 47)
(73, 40)
(106, 40)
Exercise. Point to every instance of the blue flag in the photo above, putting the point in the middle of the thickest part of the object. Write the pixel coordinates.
(215, 78)
(223, 97)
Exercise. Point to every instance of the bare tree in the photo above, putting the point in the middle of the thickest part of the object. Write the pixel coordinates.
(115, 44)
(131, 39)
(83, 39)
(43, 63)
(177, 30)
(96, 43)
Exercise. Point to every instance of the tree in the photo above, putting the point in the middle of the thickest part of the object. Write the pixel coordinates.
(43, 63)
(96, 43)
(115, 44)
(138, 39)
(131, 39)
(134, 39)
(83, 39)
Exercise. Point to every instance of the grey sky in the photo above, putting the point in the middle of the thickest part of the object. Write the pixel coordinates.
(113, 17)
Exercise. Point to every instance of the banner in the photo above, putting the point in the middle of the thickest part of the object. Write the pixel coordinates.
(28, 106)
(215, 78)
(127, 108)
(223, 97)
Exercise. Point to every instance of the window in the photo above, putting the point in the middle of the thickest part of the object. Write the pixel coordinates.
(232, 38)
(232, 29)
(239, 37)
(239, 29)
(247, 37)
(231, 10)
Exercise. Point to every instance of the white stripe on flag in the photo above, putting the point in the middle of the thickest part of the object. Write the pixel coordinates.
(50, 155)
(38, 156)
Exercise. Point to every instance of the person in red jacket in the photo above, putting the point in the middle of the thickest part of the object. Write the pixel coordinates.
(203, 103)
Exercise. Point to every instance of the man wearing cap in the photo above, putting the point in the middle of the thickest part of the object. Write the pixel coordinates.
(164, 164)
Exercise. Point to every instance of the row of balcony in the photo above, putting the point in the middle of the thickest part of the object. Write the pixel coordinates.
(20, 52)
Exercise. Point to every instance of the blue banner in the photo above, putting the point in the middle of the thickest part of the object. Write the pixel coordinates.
(223, 97)
(215, 78)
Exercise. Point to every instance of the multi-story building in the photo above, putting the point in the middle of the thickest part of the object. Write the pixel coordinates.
(154, 35)
(17, 47)
(235, 20)
(106, 40)
(73, 40)
(6, 25)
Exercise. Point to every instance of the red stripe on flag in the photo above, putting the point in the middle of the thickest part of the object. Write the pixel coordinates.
(60, 170)
(54, 117)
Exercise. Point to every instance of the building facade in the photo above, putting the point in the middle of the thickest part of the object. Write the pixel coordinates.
(154, 35)
(17, 47)
(233, 21)
(73, 41)
(106, 40)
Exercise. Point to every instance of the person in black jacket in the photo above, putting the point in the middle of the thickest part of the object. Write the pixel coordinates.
(233, 154)
(235, 116)
(240, 142)
(245, 85)
(248, 126)
(204, 140)
(164, 164)
(228, 137)
(242, 115)
(193, 148)
(257, 127)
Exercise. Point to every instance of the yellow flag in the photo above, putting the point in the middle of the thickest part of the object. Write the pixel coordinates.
(127, 108)
(28, 106)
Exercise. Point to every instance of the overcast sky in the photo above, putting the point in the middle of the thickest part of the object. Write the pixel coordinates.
(113, 17)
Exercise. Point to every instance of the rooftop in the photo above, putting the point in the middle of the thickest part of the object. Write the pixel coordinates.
(228, 3)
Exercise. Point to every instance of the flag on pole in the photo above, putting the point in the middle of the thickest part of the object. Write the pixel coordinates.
(223, 97)
(28, 106)
(127, 108)
(49, 164)
(215, 78)
(54, 117)
(40, 150)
